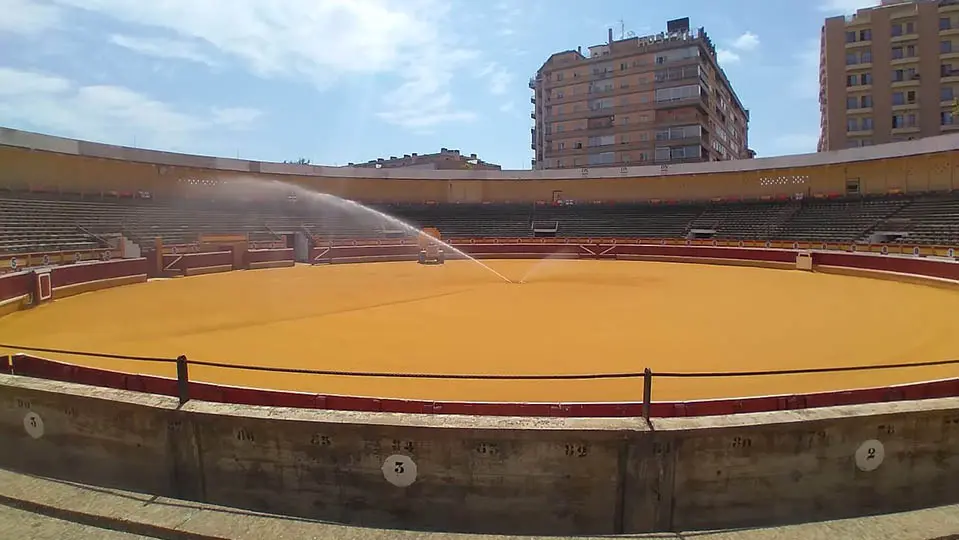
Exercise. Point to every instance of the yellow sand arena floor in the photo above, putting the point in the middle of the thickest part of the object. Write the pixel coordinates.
(569, 317)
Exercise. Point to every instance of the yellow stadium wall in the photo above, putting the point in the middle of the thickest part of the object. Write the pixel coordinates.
(77, 166)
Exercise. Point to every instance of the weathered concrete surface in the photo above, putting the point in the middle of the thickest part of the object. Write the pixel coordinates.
(119, 510)
(490, 474)
(23, 524)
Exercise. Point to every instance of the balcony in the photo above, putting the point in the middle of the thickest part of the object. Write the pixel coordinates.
(904, 37)
(532, 83)
(904, 60)
(533, 115)
(914, 81)
(698, 101)
(532, 99)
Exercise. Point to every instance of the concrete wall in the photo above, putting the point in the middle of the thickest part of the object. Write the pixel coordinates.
(486, 474)
(36, 162)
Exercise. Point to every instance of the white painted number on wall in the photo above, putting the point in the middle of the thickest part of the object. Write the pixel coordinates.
(869, 456)
(399, 470)
(33, 425)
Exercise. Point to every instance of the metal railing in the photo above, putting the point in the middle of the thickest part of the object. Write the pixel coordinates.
(183, 365)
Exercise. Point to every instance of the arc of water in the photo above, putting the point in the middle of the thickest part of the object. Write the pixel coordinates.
(347, 203)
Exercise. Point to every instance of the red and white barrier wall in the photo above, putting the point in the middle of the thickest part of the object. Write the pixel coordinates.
(63, 280)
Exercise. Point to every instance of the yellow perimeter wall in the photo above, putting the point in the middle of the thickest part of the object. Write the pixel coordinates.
(39, 162)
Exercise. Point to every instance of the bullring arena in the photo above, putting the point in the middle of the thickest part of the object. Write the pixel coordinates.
(716, 365)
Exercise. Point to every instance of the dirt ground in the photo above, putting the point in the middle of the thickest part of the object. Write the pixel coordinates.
(568, 317)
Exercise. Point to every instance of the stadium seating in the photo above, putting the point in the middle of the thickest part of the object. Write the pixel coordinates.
(927, 220)
(50, 222)
(838, 221)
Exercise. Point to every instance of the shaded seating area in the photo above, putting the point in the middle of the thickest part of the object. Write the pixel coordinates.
(838, 221)
(51, 223)
(620, 220)
(927, 220)
(747, 221)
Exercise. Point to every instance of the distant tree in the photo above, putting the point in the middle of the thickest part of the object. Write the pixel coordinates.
(301, 161)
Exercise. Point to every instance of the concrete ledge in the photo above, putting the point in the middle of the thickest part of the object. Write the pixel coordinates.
(66, 291)
(888, 276)
(708, 260)
(369, 258)
(12, 305)
(271, 264)
(199, 271)
(483, 474)
(534, 255)
(174, 519)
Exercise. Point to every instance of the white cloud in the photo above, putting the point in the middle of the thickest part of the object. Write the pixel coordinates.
(746, 42)
(26, 17)
(105, 113)
(235, 117)
(845, 7)
(161, 48)
(498, 78)
(322, 41)
(726, 56)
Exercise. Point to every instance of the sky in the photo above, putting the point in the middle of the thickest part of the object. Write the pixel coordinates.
(338, 81)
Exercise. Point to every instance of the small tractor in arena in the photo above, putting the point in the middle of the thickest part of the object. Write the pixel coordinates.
(431, 251)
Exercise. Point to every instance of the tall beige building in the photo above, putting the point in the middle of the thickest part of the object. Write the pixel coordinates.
(657, 99)
(888, 73)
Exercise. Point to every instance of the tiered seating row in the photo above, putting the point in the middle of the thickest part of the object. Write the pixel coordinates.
(36, 224)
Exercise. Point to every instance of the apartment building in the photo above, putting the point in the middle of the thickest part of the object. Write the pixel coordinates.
(445, 159)
(657, 99)
(889, 73)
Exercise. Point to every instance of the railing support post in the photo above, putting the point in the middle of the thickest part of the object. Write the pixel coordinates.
(647, 391)
(182, 379)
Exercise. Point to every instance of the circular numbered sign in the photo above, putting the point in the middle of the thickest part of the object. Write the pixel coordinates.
(869, 456)
(33, 425)
(399, 470)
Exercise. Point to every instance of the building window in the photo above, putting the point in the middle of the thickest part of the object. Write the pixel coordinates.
(946, 118)
(898, 98)
(910, 27)
(850, 37)
(852, 80)
(945, 47)
(866, 102)
(852, 124)
(865, 79)
(910, 51)
(678, 93)
(559, 76)
(896, 30)
(903, 120)
(901, 75)
(852, 103)
(852, 59)
(946, 70)
(896, 53)
(945, 23)
(866, 124)
(946, 93)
